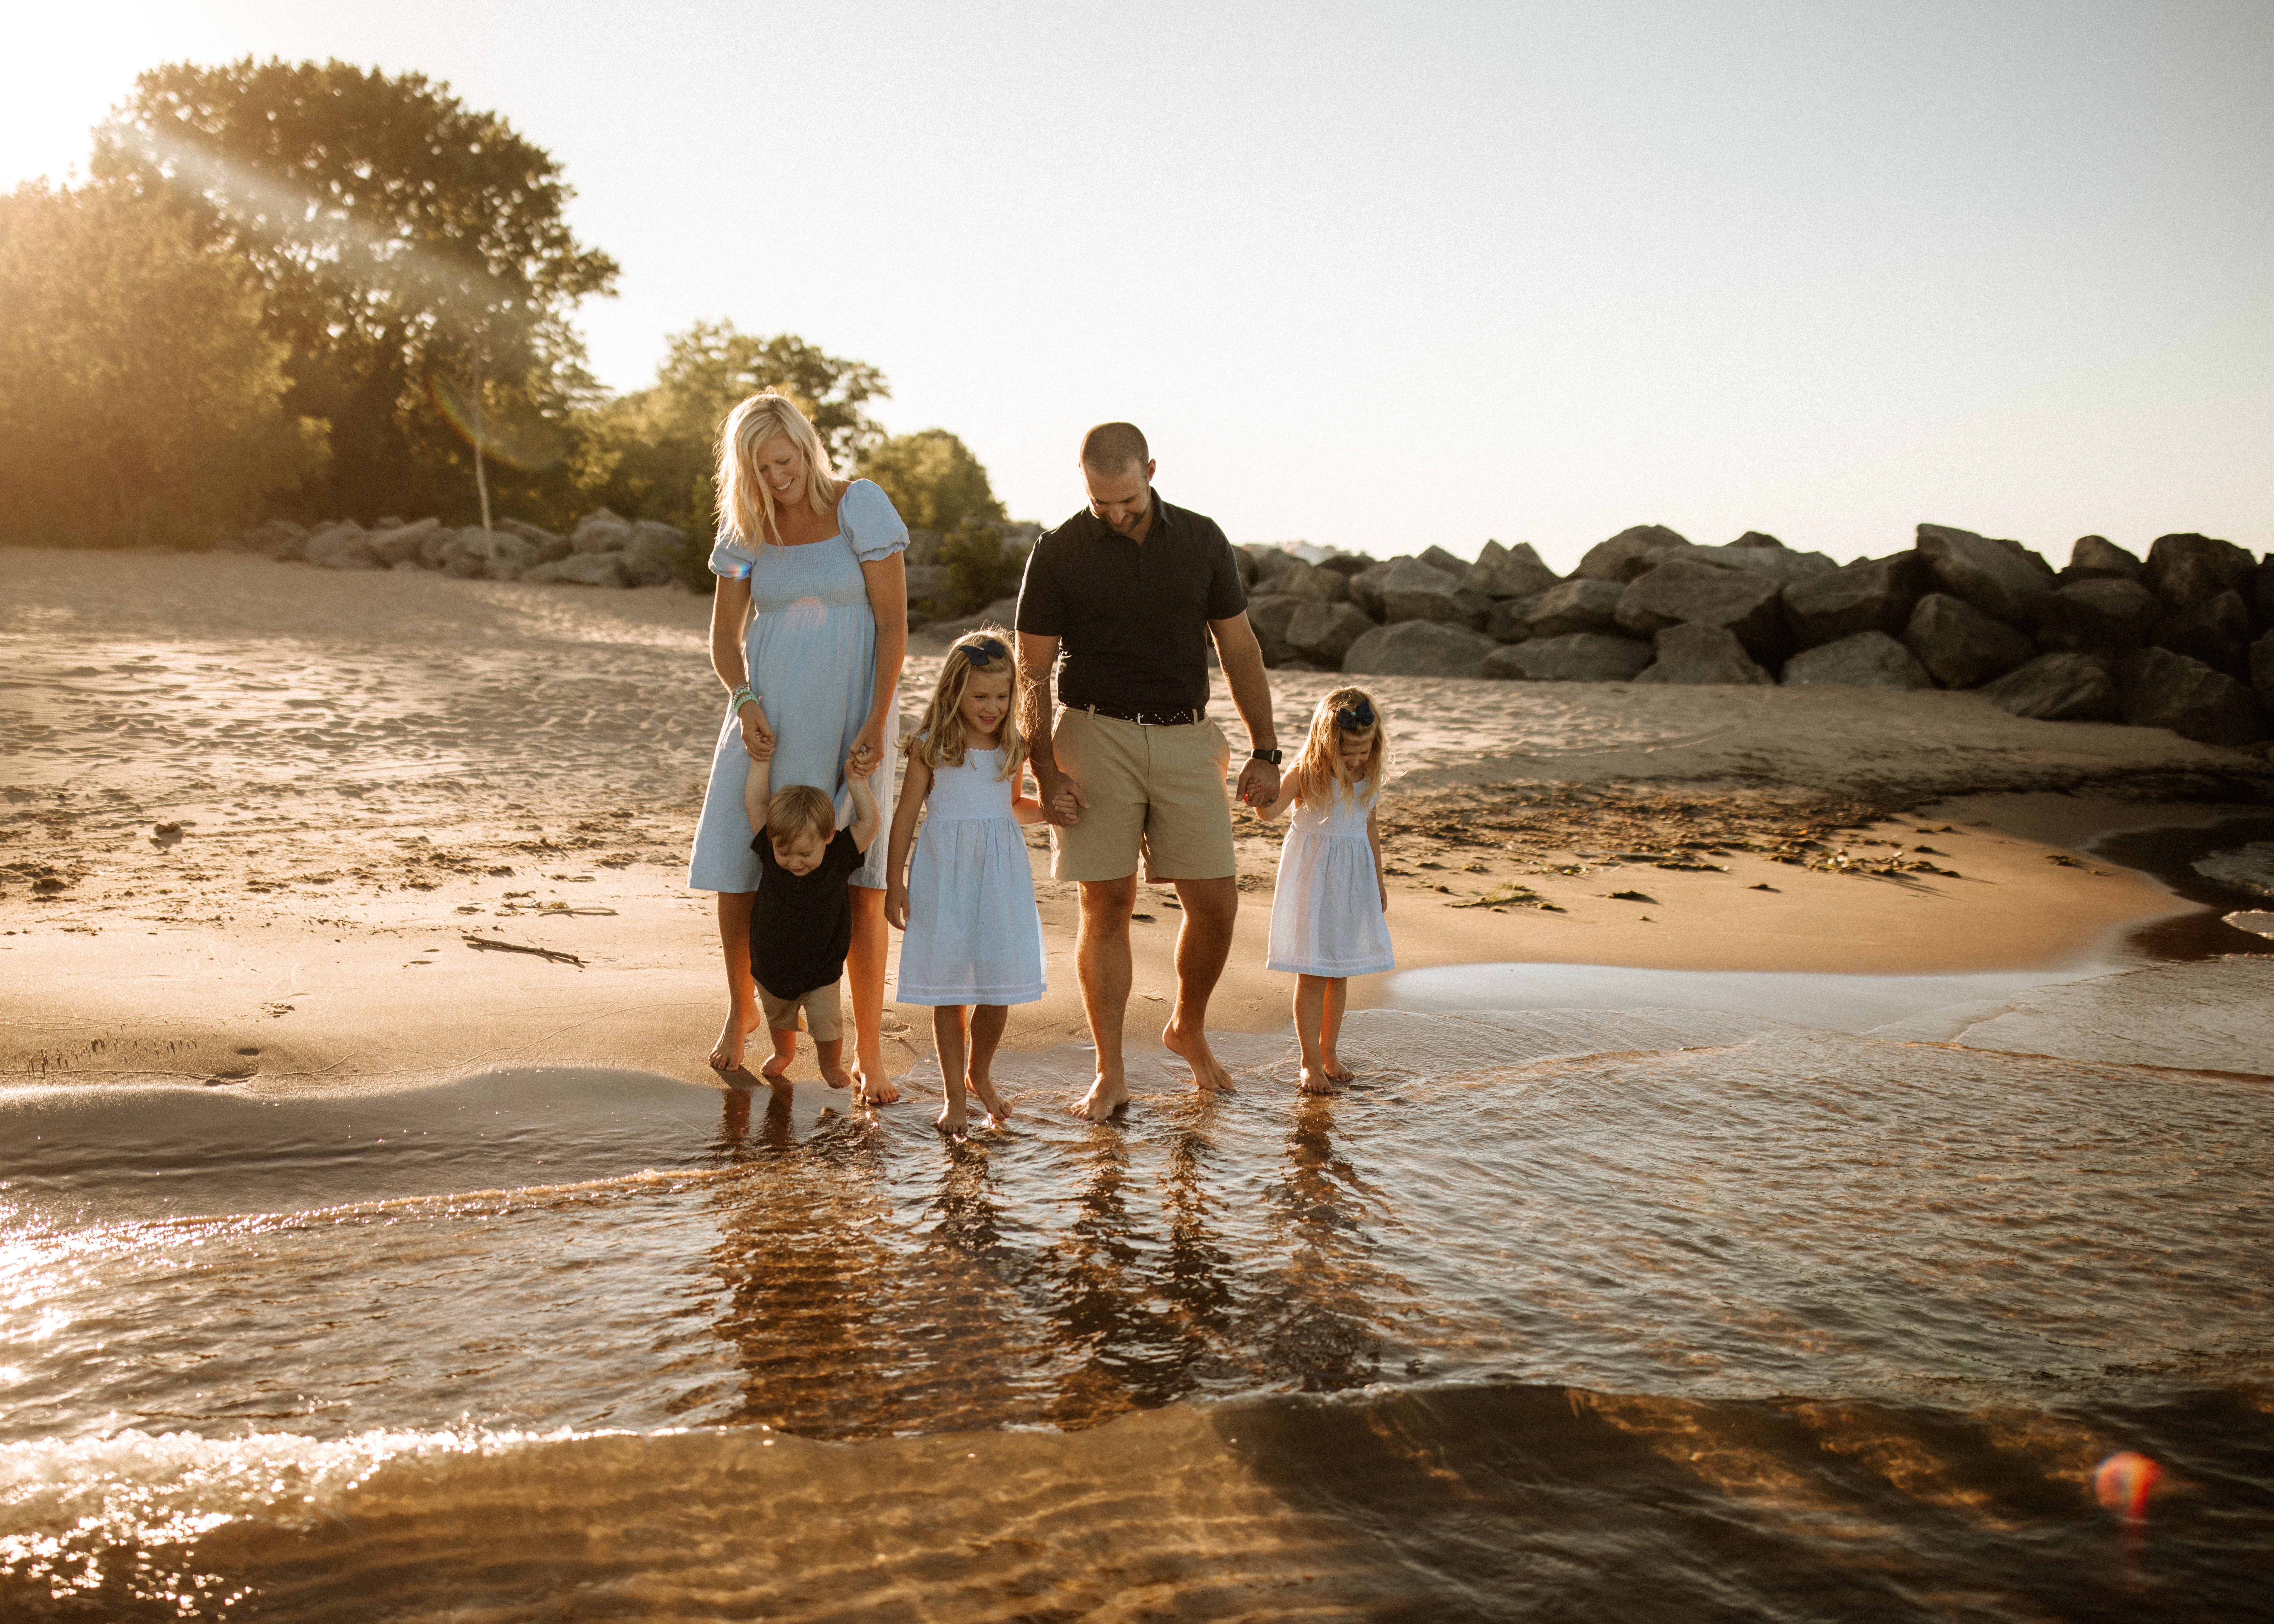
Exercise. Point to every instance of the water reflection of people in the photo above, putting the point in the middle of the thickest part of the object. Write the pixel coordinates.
(1321, 1323)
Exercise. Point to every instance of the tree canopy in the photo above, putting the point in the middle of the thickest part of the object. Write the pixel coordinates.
(934, 480)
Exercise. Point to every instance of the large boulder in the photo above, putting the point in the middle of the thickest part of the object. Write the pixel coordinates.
(1872, 595)
(1960, 645)
(1698, 652)
(2099, 614)
(2163, 689)
(1510, 619)
(1865, 659)
(1418, 648)
(2058, 688)
(600, 531)
(1575, 657)
(2262, 600)
(1323, 633)
(2188, 570)
(2261, 669)
(344, 546)
(1778, 563)
(1308, 582)
(279, 538)
(1627, 554)
(1757, 538)
(466, 553)
(2096, 558)
(1365, 585)
(1437, 558)
(511, 556)
(2003, 579)
(1687, 593)
(401, 543)
(546, 545)
(1266, 564)
(1409, 589)
(2216, 631)
(581, 569)
(1508, 572)
(1346, 563)
(1268, 613)
(651, 558)
(1574, 606)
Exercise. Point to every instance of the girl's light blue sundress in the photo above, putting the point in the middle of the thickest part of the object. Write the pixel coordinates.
(811, 649)
(1326, 908)
(973, 936)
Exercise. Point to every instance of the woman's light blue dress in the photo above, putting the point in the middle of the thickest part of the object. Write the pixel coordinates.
(973, 936)
(811, 650)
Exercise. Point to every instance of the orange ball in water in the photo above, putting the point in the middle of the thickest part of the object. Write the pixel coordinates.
(2123, 1482)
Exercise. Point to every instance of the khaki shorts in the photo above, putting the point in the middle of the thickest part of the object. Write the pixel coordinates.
(820, 1007)
(1156, 790)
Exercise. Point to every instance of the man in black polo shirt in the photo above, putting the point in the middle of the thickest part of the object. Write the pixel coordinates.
(1121, 600)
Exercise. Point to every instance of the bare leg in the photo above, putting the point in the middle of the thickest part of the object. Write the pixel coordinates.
(1102, 965)
(742, 1018)
(831, 1054)
(1318, 1014)
(864, 968)
(1203, 943)
(950, 1034)
(777, 1067)
(987, 1023)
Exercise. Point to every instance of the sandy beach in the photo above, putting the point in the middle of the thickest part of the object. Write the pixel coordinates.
(290, 830)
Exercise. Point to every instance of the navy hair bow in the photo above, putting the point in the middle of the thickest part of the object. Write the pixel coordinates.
(1355, 718)
(985, 652)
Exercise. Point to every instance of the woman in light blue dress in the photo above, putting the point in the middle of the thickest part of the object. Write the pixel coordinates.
(807, 632)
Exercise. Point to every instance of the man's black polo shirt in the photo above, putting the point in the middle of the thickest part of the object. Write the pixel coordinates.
(1132, 617)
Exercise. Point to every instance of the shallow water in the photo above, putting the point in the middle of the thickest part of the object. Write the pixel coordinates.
(1654, 1315)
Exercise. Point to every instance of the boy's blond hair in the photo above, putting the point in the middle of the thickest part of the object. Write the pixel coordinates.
(800, 810)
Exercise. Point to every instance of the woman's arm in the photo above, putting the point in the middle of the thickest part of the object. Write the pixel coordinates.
(730, 613)
(888, 601)
(913, 788)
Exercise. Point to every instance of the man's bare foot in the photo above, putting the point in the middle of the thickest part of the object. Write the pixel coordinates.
(999, 1109)
(1316, 1080)
(1193, 1049)
(1105, 1098)
(876, 1091)
(727, 1053)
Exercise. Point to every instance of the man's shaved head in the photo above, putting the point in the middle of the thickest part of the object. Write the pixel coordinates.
(1110, 447)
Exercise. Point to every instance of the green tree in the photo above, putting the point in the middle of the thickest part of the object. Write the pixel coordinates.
(141, 399)
(934, 480)
(412, 254)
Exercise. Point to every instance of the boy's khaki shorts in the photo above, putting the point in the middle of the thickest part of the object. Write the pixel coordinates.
(1157, 791)
(820, 1007)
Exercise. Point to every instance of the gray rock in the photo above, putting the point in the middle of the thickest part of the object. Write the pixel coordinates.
(1310, 583)
(1872, 595)
(1960, 645)
(401, 543)
(1269, 612)
(2099, 614)
(2003, 579)
(2096, 558)
(2262, 605)
(1574, 606)
(546, 547)
(2216, 632)
(2188, 570)
(1269, 564)
(1438, 558)
(1509, 572)
(600, 531)
(279, 539)
(1346, 563)
(1418, 648)
(1864, 659)
(928, 581)
(584, 569)
(2058, 688)
(1780, 564)
(924, 548)
(1323, 633)
(2261, 669)
(1688, 593)
(1365, 585)
(1757, 538)
(652, 557)
(1698, 652)
(343, 545)
(1409, 589)
(2163, 689)
(464, 554)
(1626, 556)
(1575, 657)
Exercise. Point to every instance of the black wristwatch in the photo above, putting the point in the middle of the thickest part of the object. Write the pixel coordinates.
(1265, 755)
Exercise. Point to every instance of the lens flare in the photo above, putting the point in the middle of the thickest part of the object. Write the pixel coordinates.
(516, 442)
(2124, 1481)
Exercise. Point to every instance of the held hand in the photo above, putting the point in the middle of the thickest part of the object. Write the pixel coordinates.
(867, 751)
(1259, 784)
(896, 905)
(757, 734)
(1063, 802)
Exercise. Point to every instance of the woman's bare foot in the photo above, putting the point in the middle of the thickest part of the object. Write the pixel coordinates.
(727, 1053)
(1106, 1096)
(1193, 1049)
(1316, 1080)
(998, 1109)
(876, 1091)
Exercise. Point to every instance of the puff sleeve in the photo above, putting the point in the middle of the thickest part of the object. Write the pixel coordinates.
(729, 558)
(869, 521)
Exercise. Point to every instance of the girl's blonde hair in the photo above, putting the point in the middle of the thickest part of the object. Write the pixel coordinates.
(746, 502)
(1317, 772)
(938, 741)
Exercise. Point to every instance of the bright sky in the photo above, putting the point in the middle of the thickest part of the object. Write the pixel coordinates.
(1378, 277)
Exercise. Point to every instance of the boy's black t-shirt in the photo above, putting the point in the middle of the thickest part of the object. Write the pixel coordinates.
(801, 924)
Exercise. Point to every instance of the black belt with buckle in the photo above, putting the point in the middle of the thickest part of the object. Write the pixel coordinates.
(1147, 719)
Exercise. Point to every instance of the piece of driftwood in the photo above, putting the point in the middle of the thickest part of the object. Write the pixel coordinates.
(490, 944)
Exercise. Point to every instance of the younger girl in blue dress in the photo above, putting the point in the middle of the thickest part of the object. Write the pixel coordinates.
(973, 941)
(1327, 905)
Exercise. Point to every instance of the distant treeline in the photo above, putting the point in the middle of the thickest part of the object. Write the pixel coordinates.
(312, 291)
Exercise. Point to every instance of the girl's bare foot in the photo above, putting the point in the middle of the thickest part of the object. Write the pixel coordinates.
(1335, 1070)
(727, 1053)
(998, 1109)
(953, 1119)
(1314, 1079)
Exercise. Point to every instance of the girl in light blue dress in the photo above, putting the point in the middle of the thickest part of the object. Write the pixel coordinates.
(974, 940)
(1328, 905)
(808, 633)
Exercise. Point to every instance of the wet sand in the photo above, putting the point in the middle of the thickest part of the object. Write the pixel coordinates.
(288, 830)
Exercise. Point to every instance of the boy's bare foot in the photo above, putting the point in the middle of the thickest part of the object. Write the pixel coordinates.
(998, 1109)
(837, 1076)
(871, 1090)
(1316, 1080)
(1193, 1049)
(727, 1053)
(1105, 1097)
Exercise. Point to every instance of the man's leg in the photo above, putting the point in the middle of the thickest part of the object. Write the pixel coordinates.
(1203, 943)
(1102, 965)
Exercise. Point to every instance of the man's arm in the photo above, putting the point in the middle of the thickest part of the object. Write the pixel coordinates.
(1242, 658)
(1038, 655)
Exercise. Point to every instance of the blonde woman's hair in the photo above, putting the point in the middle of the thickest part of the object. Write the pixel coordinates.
(1317, 772)
(799, 809)
(746, 502)
(938, 740)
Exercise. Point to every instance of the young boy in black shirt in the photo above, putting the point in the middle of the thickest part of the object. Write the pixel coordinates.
(801, 919)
